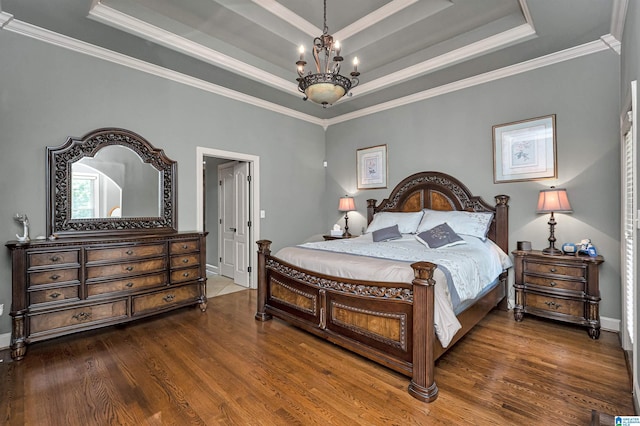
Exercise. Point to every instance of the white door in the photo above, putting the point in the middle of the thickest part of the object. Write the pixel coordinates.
(241, 237)
(227, 218)
(234, 180)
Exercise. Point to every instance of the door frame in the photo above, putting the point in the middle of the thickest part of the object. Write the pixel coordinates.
(254, 198)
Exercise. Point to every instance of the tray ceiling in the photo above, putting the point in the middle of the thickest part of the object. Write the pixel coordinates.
(406, 48)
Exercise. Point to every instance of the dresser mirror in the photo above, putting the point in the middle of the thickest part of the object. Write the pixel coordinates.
(110, 181)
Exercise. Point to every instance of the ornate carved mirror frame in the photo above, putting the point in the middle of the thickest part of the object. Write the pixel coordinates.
(59, 161)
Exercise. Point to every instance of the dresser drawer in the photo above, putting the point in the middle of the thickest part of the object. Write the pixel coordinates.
(554, 304)
(127, 268)
(554, 283)
(53, 258)
(79, 316)
(184, 246)
(554, 268)
(182, 275)
(184, 261)
(125, 252)
(53, 276)
(162, 299)
(56, 294)
(129, 284)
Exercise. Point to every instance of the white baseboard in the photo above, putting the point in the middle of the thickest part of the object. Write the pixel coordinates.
(610, 324)
(5, 340)
(212, 269)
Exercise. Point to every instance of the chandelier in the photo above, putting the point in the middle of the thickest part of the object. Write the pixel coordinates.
(326, 85)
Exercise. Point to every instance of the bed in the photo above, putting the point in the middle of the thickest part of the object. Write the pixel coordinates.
(391, 323)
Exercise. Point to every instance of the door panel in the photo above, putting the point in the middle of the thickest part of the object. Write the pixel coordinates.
(227, 219)
(241, 237)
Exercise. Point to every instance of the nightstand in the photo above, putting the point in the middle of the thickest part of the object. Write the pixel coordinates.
(563, 288)
(339, 237)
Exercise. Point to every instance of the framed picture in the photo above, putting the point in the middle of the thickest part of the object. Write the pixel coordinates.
(372, 167)
(525, 150)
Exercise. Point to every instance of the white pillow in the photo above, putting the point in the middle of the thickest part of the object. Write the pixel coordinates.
(407, 222)
(475, 224)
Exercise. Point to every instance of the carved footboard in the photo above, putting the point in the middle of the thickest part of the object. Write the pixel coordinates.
(389, 323)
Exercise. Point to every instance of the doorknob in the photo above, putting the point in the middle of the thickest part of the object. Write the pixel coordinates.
(232, 229)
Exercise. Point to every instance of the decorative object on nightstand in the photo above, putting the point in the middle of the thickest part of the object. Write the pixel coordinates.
(549, 201)
(558, 287)
(346, 205)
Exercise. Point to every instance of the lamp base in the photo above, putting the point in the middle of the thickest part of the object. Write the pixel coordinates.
(552, 251)
(346, 235)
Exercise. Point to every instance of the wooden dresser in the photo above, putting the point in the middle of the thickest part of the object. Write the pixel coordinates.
(75, 284)
(563, 288)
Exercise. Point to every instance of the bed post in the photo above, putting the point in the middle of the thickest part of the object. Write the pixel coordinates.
(371, 205)
(502, 222)
(423, 385)
(263, 251)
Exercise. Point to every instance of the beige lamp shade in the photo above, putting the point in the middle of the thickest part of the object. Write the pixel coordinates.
(553, 200)
(347, 204)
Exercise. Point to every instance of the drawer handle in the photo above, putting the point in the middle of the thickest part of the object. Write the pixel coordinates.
(129, 252)
(185, 260)
(186, 274)
(553, 283)
(55, 295)
(55, 277)
(553, 305)
(184, 246)
(129, 285)
(54, 258)
(168, 298)
(129, 268)
(82, 316)
(553, 269)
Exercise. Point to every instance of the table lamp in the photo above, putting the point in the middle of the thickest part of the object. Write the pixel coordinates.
(346, 205)
(549, 201)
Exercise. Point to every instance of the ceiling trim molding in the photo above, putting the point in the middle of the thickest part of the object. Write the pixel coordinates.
(543, 61)
(374, 17)
(4, 18)
(612, 42)
(82, 47)
(458, 55)
(618, 16)
(131, 25)
(287, 15)
(66, 42)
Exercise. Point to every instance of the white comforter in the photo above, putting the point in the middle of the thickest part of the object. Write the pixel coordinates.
(472, 266)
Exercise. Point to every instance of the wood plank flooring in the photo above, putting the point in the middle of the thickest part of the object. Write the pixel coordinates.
(223, 367)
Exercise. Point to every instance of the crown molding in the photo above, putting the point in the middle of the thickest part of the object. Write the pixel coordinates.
(455, 56)
(131, 25)
(82, 47)
(618, 16)
(373, 18)
(32, 31)
(543, 61)
(4, 18)
(275, 8)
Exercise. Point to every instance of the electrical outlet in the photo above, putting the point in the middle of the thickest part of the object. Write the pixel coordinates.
(1, 308)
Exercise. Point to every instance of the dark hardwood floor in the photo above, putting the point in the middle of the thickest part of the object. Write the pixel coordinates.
(223, 367)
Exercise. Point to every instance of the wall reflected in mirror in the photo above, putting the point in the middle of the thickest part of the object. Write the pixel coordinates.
(115, 183)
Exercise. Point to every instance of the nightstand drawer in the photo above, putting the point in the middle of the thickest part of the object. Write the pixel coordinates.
(554, 304)
(554, 283)
(554, 268)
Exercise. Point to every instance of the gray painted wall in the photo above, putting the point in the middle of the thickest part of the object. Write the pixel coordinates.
(49, 93)
(453, 134)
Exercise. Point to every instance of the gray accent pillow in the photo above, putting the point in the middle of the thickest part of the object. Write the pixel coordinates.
(386, 234)
(440, 236)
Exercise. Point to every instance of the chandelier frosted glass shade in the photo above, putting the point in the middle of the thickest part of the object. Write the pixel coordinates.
(325, 88)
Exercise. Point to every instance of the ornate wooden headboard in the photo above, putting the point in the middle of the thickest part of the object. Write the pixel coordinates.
(439, 191)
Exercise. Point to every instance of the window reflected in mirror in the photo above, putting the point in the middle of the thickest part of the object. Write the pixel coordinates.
(114, 183)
